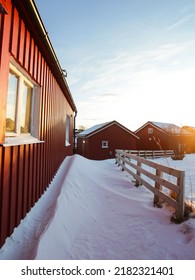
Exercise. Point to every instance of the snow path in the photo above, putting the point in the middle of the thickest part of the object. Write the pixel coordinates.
(22, 244)
(101, 215)
(92, 211)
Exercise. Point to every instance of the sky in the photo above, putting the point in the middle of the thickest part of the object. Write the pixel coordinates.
(131, 61)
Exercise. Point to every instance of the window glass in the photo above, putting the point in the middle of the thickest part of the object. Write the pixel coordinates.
(11, 103)
(150, 130)
(104, 144)
(26, 109)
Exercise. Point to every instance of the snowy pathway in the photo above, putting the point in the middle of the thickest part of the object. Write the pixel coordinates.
(101, 215)
(93, 211)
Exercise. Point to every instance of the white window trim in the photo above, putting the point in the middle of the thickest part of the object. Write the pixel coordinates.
(67, 131)
(150, 130)
(20, 140)
(17, 138)
(105, 144)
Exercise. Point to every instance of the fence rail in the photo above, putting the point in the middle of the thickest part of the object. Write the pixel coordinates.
(138, 167)
(151, 153)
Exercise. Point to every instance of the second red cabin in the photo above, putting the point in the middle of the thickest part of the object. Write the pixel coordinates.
(101, 141)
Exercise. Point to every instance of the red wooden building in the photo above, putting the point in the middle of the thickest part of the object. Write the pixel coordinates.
(165, 136)
(37, 112)
(101, 141)
(191, 141)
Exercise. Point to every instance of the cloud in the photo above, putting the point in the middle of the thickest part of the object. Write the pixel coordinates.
(124, 79)
(121, 86)
(109, 95)
(188, 8)
(126, 69)
(180, 22)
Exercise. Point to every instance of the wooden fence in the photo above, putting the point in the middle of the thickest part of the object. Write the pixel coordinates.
(156, 182)
(151, 153)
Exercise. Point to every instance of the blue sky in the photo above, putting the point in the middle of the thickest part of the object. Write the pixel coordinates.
(127, 60)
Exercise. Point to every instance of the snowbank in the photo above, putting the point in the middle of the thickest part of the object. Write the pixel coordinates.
(93, 211)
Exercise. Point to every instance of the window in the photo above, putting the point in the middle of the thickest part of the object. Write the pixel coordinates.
(104, 144)
(150, 130)
(19, 104)
(67, 131)
(11, 103)
(23, 104)
(26, 108)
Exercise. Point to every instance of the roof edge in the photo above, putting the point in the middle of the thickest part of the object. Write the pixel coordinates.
(147, 123)
(106, 126)
(44, 35)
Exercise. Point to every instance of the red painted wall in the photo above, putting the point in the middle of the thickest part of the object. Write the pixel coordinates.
(26, 170)
(167, 142)
(149, 141)
(117, 138)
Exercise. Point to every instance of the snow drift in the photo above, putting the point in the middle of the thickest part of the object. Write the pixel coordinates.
(93, 211)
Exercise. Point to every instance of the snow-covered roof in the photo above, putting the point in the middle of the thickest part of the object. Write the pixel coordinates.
(167, 127)
(191, 129)
(171, 128)
(92, 129)
(98, 127)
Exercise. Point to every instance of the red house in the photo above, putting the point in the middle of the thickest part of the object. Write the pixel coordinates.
(191, 138)
(165, 136)
(101, 141)
(37, 112)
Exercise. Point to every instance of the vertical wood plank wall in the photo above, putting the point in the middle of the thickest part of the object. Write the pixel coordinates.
(116, 137)
(27, 170)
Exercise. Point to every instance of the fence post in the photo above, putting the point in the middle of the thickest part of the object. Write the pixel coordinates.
(158, 186)
(123, 164)
(137, 182)
(179, 214)
(117, 157)
(116, 154)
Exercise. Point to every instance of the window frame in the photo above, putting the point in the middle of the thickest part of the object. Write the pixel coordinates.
(67, 131)
(22, 79)
(105, 144)
(17, 137)
(150, 130)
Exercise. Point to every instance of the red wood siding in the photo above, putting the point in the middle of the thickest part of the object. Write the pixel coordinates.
(117, 137)
(27, 170)
(148, 141)
(4, 67)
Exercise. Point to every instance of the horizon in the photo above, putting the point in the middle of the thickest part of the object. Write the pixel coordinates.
(129, 61)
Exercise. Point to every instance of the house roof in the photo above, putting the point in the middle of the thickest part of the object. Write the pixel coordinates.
(92, 129)
(99, 127)
(168, 127)
(36, 24)
(191, 129)
(165, 127)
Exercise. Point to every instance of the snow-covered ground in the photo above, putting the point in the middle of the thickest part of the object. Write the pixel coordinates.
(188, 165)
(92, 210)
